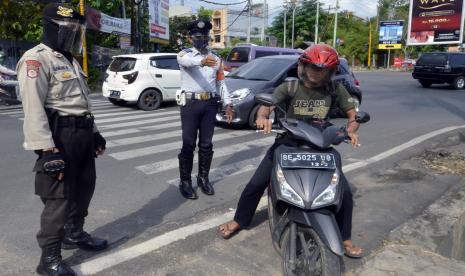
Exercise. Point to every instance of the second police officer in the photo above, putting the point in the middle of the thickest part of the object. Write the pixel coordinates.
(199, 98)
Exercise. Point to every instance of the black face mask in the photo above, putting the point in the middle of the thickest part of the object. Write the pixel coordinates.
(200, 42)
(61, 38)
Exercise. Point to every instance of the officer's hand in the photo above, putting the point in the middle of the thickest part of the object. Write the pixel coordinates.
(265, 124)
(209, 61)
(354, 141)
(229, 114)
(99, 143)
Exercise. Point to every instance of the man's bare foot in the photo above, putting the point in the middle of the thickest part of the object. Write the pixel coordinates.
(351, 250)
(229, 229)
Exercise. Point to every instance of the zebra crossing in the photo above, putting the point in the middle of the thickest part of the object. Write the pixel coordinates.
(134, 134)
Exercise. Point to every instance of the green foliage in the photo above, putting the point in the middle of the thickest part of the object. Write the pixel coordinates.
(179, 36)
(20, 20)
(205, 14)
(223, 52)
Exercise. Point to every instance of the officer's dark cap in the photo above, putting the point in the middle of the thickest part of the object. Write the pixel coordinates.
(199, 26)
(61, 12)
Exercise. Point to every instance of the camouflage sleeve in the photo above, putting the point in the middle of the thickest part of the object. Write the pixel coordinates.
(33, 86)
(344, 99)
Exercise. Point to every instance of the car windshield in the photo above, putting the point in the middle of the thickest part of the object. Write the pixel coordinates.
(239, 54)
(121, 64)
(263, 69)
(433, 59)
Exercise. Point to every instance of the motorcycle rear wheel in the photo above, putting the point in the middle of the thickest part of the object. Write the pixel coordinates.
(322, 261)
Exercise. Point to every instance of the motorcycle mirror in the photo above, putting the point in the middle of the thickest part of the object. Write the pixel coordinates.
(362, 117)
(265, 99)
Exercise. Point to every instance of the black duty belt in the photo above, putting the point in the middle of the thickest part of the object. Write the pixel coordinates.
(201, 96)
(85, 121)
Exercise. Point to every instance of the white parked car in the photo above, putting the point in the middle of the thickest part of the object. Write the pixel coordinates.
(146, 79)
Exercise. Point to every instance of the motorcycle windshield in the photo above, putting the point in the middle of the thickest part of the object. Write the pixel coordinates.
(322, 139)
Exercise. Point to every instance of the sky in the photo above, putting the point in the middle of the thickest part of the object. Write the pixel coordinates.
(362, 8)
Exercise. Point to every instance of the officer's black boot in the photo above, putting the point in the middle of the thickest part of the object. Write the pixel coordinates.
(51, 263)
(185, 170)
(76, 237)
(205, 160)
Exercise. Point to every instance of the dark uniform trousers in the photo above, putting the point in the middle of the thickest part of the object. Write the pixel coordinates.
(257, 185)
(66, 202)
(198, 119)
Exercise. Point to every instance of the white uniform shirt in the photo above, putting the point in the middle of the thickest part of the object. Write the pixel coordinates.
(197, 78)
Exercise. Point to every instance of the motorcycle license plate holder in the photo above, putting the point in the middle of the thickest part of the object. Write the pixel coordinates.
(307, 160)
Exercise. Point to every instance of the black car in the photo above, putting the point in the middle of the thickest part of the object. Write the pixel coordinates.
(439, 68)
(263, 75)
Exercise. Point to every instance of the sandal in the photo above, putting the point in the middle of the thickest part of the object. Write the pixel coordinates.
(228, 229)
(352, 251)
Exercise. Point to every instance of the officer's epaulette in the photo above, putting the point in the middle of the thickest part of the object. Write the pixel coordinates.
(185, 51)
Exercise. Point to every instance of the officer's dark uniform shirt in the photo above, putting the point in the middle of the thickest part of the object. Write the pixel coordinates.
(312, 103)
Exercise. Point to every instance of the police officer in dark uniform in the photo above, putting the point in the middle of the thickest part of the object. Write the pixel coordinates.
(59, 127)
(200, 99)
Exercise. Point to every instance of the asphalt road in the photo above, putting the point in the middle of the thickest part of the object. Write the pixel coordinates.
(136, 196)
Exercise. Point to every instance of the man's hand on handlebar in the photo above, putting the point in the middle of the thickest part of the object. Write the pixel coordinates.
(354, 141)
(265, 124)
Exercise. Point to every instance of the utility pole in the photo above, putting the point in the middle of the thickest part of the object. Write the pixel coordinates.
(84, 42)
(265, 19)
(335, 24)
(293, 6)
(285, 22)
(369, 47)
(317, 21)
(250, 20)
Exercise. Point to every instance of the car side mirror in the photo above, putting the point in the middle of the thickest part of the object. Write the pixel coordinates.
(362, 117)
(265, 99)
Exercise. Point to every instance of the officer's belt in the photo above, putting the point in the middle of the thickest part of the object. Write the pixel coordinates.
(202, 96)
(85, 121)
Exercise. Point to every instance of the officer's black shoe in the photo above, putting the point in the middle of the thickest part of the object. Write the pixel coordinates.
(83, 240)
(51, 263)
(185, 187)
(205, 185)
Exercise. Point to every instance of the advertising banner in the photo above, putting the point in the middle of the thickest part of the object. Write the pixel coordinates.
(98, 21)
(159, 21)
(390, 34)
(435, 22)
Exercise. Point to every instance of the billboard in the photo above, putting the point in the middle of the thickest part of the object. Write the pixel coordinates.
(390, 34)
(159, 21)
(98, 21)
(435, 22)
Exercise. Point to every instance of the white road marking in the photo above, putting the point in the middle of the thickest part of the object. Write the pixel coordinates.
(137, 116)
(172, 163)
(232, 169)
(101, 263)
(142, 139)
(19, 111)
(139, 129)
(141, 122)
(135, 153)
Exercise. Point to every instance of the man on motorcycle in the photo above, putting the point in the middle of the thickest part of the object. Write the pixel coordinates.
(310, 99)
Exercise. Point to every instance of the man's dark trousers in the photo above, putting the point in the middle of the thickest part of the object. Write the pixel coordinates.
(198, 118)
(67, 202)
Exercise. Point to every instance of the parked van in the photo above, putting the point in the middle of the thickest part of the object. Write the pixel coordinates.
(441, 67)
(245, 52)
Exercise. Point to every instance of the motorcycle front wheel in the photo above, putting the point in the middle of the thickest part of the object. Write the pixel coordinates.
(313, 257)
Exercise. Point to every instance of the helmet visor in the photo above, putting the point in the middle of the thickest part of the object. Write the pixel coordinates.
(70, 35)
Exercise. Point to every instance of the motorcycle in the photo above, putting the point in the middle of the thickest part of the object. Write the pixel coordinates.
(304, 195)
(9, 92)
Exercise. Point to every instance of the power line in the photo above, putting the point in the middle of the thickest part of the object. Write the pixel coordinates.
(243, 10)
(223, 4)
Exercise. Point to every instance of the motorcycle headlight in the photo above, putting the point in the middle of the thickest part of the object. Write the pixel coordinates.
(286, 190)
(329, 194)
(239, 95)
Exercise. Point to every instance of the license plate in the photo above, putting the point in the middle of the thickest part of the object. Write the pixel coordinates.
(115, 94)
(308, 160)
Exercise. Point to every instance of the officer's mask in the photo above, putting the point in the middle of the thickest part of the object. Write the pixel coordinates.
(200, 41)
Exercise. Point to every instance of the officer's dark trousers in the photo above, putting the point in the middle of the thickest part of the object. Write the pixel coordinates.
(254, 190)
(198, 118)
(68, 201)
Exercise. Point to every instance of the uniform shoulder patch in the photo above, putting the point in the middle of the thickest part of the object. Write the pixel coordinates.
(185, 51)
(33, 68)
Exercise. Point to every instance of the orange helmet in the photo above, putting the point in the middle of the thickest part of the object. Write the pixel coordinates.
(320, 55)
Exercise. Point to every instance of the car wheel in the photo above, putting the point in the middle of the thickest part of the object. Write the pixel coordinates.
(425, 84)
(117, 102)
(253, 117)
(459, 82)
(150, 99)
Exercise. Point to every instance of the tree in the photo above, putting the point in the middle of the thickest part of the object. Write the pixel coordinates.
(179, 36)
(205, 14)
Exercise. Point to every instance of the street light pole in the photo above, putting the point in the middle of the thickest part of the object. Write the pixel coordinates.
(250, 21)
(317, 21)
(285, 22)
(335, 24)
(369, 47)
(264, 13)
(294, 5)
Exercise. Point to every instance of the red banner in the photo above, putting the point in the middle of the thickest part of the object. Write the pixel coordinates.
(435, 22)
